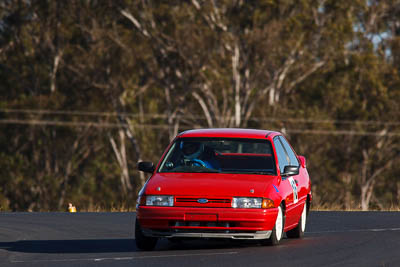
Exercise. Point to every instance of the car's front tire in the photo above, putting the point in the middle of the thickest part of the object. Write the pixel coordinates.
(277, 231)
(144, 242)
(298, 232)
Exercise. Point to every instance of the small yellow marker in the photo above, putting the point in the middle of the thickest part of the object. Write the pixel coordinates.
(71, 208)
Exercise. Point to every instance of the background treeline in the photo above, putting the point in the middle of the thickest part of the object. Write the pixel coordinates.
(90, 87)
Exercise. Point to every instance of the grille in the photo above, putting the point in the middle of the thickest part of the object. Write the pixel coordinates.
(201, 224)
(211, 202)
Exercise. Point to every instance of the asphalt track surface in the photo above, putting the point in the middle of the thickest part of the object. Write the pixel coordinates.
(107, 239)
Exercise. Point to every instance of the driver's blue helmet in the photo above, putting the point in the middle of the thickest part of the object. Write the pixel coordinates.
(191, 149)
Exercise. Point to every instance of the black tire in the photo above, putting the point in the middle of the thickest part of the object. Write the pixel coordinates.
(298, 232)
(144, 242)
(276, 235)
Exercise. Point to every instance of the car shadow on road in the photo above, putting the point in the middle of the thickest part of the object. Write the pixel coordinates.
(113, 245)
(71, 246)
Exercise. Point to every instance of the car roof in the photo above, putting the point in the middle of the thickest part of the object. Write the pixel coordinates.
(230, 132)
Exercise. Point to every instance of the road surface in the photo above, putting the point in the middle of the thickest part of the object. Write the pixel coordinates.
(107, 239)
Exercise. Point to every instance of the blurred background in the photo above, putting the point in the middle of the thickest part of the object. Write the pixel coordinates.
(88, 88)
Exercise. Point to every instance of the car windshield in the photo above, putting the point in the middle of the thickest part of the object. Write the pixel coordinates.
(219, 155)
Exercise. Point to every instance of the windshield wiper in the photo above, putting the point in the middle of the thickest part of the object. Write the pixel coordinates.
(195, 170)
(260, 172)
(251, 172)
(202, 171)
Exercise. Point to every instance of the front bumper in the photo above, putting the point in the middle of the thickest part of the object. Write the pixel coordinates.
(206, 222)
(171, 234)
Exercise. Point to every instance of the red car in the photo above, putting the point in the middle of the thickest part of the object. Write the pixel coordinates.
(224, 183)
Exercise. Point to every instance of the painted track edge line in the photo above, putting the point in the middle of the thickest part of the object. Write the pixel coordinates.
(127, 258)
(356, 230)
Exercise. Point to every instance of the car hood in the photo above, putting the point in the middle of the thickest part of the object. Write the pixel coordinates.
(208, 184)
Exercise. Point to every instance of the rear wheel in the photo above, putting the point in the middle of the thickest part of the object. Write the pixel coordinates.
(298, 232)
(277, 231)
(144, 242)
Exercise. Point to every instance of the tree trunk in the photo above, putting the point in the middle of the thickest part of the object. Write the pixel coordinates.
(366, 194)
(347, 189)
(120, 154)
(128, 131)
(205, 109)
(124, 168)
(236, 84)
(53, 75)
(64, 185)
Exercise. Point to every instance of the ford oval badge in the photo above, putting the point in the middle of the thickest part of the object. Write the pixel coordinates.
(202, 200)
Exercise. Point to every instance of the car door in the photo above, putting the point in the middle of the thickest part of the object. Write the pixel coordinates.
(300, 179)
(289, 185)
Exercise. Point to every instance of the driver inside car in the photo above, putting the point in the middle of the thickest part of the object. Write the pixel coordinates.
(197, 154)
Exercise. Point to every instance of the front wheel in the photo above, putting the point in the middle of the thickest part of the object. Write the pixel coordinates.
(144, 242)
(298, 232)
(277, 231)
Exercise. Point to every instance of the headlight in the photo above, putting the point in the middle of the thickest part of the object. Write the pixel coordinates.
(166, 201)
(247, 202)
(252, 203)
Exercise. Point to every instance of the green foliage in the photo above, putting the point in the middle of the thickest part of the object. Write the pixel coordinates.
(325, 72)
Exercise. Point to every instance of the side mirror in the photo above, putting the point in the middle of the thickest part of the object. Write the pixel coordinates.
(302, 161)
(146, 166)
(290, 170)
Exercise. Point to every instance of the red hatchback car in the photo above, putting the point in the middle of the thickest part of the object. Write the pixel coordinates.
(224, 183)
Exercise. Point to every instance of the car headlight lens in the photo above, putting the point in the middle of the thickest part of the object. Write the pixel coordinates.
(247, 202)
(165, 201)
(252, 203)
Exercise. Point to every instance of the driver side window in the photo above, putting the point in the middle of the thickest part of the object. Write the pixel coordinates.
(283, 158)
(292, 157)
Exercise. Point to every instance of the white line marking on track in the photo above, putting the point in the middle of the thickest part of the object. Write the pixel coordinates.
(357, 230)
(126, 258)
